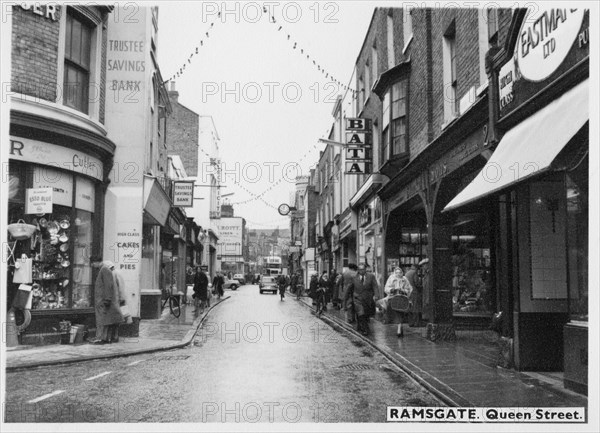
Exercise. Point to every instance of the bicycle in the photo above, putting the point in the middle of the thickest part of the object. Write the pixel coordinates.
(174, 304)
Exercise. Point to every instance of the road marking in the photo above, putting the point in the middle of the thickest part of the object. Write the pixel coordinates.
(99, 375)
(44, 397)
(136, 362)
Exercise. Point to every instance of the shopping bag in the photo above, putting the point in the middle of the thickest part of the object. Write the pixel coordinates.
(23, 270)
(126, 314)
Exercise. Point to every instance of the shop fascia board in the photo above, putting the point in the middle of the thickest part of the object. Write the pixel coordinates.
(60, 131)
(453, 135)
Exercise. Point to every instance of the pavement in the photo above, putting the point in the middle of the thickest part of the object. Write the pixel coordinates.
(165, 333)
(462, 373)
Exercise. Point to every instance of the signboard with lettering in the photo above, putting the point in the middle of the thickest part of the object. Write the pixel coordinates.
(59, 182)
(39, 152)
(183, 193)
(357, 167)
(545, 39)
(358, 124)
(85, 196)
(230, 236)
(38, 200)
(549, 43)
(358, 143)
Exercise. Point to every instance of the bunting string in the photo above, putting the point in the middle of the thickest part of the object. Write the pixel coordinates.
(317, 65)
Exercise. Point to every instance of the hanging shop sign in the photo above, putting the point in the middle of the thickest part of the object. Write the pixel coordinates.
(183, 193)
(358, 144)
(355, 138)
(358, 124)
(38, 200)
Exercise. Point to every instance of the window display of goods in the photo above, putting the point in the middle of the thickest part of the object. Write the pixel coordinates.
(20, 230)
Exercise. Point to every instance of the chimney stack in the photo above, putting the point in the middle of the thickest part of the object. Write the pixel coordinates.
(173, 94)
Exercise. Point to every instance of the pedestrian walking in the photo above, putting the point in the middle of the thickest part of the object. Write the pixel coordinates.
(347, 290)
(313, 288)
(107, 308)
(200, 290)
(282, 282)
(217, 283)
(397, 284)
(324, 286)
(416, 296)
(364, 286)
(336, 289)
(294, 283)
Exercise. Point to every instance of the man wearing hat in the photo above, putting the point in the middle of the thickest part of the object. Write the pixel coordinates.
(416, 296)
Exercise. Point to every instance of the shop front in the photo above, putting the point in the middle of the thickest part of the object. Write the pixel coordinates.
(367, 207)
(458, 281)
(347, 230)
(55, 208)
(539, 192)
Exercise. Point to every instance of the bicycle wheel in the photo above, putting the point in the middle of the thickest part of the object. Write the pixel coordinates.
(174, 306)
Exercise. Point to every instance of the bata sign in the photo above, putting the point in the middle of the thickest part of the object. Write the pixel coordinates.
(545, 39)
(358, 144)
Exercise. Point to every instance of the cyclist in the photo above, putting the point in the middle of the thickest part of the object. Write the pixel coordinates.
(282, 282)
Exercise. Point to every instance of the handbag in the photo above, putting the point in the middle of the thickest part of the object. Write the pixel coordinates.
(23, 270)
(400, 303)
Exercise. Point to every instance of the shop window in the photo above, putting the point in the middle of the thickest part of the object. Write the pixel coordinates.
(413, 248)
(547, 240)
(472, 278)
(577, 238)
(60, 247)
(78, 38)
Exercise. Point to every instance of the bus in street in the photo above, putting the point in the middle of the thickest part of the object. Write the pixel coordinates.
(272, 266)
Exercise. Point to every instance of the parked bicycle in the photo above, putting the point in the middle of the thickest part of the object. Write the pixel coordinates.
(173, 301)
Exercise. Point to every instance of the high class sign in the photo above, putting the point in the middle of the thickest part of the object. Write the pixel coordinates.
(358, 146)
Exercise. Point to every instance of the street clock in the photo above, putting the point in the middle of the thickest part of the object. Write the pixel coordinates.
(283, 209)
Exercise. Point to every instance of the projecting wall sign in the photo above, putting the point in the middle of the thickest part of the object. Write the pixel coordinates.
(358, 142)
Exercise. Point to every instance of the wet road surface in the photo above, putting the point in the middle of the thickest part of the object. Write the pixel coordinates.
(255, 359)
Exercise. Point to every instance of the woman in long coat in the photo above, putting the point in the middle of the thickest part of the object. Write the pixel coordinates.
(108, 311)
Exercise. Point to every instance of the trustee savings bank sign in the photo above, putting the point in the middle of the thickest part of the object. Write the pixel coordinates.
(545, 39)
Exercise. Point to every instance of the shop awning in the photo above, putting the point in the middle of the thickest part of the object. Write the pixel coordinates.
(372, 184)
(529, 148)
(156, 202)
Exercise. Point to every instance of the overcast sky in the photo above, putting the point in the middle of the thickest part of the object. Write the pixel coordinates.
(269, 102)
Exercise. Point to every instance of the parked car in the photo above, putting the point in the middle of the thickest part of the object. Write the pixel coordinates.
(230, 284)
(240, 278)
(267, 284)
